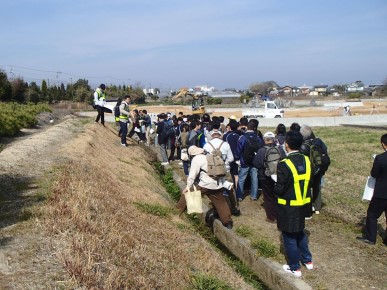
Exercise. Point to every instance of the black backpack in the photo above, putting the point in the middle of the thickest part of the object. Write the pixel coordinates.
(168, 131)
(253, 143)
(117, 111)
(317, 152)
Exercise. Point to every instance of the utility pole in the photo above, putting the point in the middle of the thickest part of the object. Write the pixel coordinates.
(71, 88)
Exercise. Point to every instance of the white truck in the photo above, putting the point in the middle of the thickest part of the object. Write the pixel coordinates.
(268, 110)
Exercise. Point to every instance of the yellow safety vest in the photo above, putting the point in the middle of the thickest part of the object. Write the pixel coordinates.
(125, 117)
(101, 95)
(300, 195)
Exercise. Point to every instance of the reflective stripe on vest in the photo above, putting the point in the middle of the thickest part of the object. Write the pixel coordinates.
(124, 117)
(301, 198)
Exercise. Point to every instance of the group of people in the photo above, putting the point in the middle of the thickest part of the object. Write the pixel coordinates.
(291, 192)
(289, 195)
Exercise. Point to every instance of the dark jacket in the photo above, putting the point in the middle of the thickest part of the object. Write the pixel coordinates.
(241, 146)
(160, 127)
(379, 171)
(232, 138)
(291, 218)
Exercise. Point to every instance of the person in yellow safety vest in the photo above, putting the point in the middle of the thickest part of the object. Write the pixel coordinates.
(99, 102)
(125, 114)
(292, 190)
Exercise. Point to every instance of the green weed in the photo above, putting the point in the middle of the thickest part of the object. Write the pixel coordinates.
(265, 248)
(244, 231)
(205, 282)
(154, 209)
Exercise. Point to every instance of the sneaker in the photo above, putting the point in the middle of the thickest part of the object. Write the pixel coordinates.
(308, 218)
(253, 199)
(240, 199)
(164, 163)
(125, 145)
(317, 212)
(309, 265)
(297, 273)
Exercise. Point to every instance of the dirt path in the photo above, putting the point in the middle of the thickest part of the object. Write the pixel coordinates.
(26, 256)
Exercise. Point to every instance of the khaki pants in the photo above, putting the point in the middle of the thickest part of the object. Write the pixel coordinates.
(217, 199)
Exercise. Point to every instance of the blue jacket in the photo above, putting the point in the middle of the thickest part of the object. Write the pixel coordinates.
(232, 139)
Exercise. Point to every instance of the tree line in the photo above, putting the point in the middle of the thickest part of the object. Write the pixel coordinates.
(17, 90)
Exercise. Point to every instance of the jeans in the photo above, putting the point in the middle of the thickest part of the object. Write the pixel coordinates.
(296, 247)
(124, 132)
(163, 152)
(185, 166)
(243, 172)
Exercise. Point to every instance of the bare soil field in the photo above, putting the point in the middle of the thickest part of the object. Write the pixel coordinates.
(380, 108)
(61, 243)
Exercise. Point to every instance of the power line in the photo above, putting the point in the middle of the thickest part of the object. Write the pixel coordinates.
(64, 73)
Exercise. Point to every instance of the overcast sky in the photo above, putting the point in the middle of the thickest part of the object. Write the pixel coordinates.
(181, 43)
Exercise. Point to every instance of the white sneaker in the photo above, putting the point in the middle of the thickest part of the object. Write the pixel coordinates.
(164, 163)
(126, 145)
(308, 218)
(309, 265)
(296, 273)
(317, 212)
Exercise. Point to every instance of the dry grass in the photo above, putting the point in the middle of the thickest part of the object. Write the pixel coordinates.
(108, 241)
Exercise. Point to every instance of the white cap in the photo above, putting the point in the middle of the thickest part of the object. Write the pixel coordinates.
(269, 135)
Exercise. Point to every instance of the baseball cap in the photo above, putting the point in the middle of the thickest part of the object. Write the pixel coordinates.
(269, 135)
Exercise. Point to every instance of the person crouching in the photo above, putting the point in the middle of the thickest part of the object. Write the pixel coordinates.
(210, 187)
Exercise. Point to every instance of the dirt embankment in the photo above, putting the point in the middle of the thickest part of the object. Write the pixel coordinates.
(106, 222)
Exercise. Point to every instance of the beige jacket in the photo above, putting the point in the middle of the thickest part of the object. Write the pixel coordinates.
(199, 167)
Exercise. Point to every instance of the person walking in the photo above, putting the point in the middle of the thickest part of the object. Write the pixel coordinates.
(125, 114)
(293, 196)
(378, 203)
(99, 102)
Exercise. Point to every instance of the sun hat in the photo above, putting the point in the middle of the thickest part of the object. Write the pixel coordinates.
(194, 150)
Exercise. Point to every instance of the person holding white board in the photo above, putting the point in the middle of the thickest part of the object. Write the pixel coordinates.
(378, 203)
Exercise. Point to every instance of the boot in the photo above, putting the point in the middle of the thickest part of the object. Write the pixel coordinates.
(232, 203)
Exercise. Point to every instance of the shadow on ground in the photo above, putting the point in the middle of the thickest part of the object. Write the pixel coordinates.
(17, 196)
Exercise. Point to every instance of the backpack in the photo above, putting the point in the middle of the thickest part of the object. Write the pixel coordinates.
(215, 163)
(251, 148)
(117, 112)
(273, 155)
(168, 131)
(315, 149)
